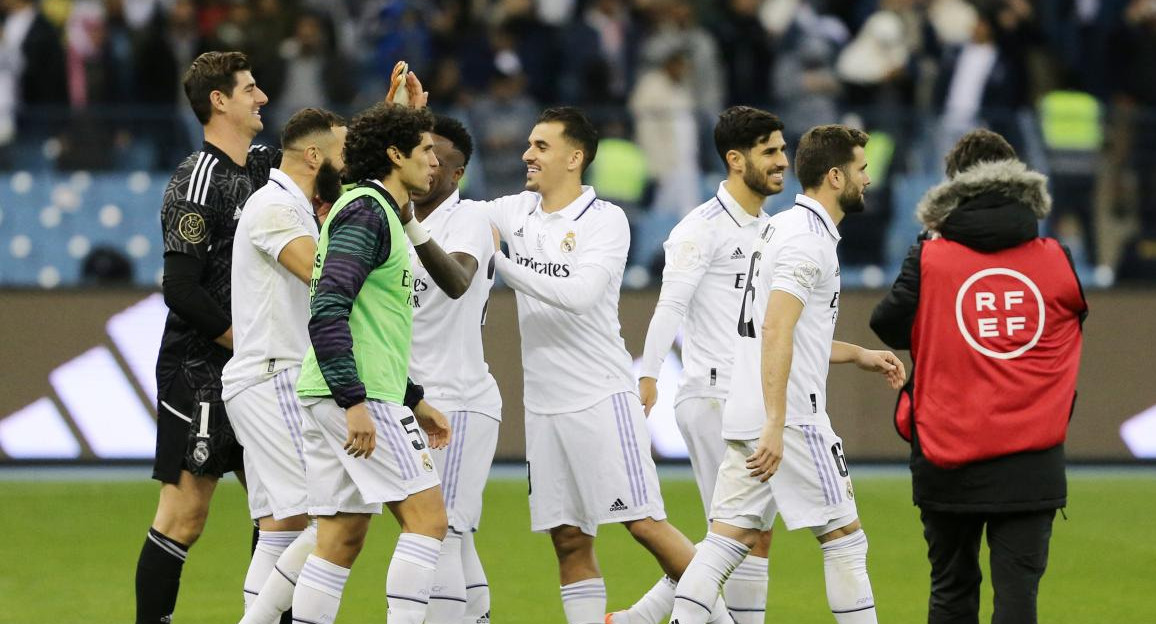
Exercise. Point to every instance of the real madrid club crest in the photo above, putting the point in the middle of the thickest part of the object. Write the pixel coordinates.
(850, 492)
(427, 462)
(568, 243)
(201, 453)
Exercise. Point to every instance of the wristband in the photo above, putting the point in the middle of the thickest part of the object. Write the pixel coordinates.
(416, 232)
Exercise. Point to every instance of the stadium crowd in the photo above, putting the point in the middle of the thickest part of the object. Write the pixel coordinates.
(1069, 82)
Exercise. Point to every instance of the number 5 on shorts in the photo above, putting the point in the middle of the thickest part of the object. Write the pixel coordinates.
(406, 423)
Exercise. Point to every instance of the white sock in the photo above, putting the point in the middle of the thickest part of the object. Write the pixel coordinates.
(719, 613)
(318, 595)
(410, 575)
(477, 586)
(699, 587)
(447, 600)
(277, 593)
(848, 588)
(270, 545)
(653, 608)
(585, 601)
(746, 591)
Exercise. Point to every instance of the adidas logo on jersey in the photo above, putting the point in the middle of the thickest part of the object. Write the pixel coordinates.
(618, 505)
(519, 233)
(738, 254)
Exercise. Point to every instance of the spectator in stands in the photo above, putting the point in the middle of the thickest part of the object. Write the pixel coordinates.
(311, 71)
(675, 22)
(500, 119)
(35, 68)
(984, 81)
(666, 129)
(747, 54)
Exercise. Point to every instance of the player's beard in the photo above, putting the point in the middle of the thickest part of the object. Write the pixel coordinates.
(328, 182)
(757, 180)
(851, 200)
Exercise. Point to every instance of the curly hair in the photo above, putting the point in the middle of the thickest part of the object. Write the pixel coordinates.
(740, 128)
(824, 148)
(457, 134)
(375, 130)
(975, 147)
(212, 71)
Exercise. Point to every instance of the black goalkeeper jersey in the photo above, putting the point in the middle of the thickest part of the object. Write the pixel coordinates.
(199, 214)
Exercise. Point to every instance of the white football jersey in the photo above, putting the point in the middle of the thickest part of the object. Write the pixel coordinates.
(570, 361)
(710, 250)
(795, 254)
(446, 357)
(270, 305)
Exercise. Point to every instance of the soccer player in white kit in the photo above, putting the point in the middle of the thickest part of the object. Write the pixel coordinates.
(707, 257)
(272, 262)
(447, 358)
(782, 456)
(587, 446)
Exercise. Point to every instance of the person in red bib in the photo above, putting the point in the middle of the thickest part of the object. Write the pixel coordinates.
(993, 315)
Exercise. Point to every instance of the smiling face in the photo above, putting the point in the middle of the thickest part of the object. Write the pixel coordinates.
(551, 159)
(242, 107)
(764, 165)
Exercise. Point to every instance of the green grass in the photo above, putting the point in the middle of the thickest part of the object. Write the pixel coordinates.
(68, 554)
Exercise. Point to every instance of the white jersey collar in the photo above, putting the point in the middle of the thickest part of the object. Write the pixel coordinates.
(452, 200)
(741, 217)
(575, 209)
(282, 179)
(814, 206)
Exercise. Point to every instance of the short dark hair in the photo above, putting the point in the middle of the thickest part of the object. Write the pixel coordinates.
(577, 127)
(823, 148)
(212, 71)
(975, 147)
(375, 130)
(306, 122)
(455, 131)
(741, 128)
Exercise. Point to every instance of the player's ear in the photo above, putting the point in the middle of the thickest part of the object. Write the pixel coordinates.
(395, 156)
(735, 161)
(575, 161)
(835, 177)
(217, 100)
(459, 173)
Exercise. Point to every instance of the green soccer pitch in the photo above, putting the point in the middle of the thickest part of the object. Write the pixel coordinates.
(68, 553)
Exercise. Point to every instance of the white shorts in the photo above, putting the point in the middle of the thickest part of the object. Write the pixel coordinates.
(811, 488)
(401, 464)
(700, 421)
(464, 466)
(591, 467)
(267, 420)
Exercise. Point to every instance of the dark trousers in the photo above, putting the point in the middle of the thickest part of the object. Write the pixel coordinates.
(1019, 555)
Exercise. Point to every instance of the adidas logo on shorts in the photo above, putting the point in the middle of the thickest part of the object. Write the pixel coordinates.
(618, 505)
(519, 233)
(738, 254)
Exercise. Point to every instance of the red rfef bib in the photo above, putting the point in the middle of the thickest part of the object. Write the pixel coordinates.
(996, 344)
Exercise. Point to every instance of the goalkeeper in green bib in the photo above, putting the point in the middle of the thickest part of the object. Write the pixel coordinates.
(362, 448)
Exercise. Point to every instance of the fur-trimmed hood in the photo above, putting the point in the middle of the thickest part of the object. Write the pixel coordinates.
(1010, 178)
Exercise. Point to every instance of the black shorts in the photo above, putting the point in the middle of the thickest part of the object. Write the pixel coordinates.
(182, 442)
